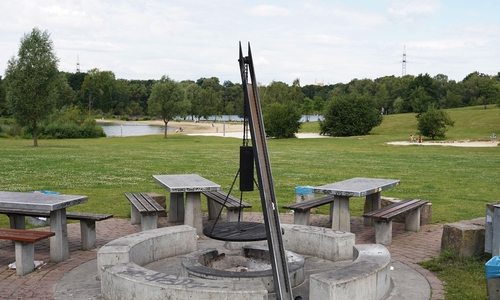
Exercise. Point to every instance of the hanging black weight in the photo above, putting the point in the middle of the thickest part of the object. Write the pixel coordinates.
(246, 169)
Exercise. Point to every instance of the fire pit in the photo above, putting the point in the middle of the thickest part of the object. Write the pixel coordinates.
(253, 263)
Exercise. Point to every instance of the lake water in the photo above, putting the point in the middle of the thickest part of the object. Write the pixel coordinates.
(119, 129)
(131, 129)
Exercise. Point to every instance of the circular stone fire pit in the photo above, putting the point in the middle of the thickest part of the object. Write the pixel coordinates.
(252, 264)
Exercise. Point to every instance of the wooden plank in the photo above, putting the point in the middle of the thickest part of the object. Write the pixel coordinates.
(136, 202)
(405, 209)
(395, 209)
(46, 214)
(388, 209)
(152, 202)
(21, 235)
(307, 205)
(230, 202)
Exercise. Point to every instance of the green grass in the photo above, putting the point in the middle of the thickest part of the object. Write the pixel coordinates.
(463, 277)
(457, 181)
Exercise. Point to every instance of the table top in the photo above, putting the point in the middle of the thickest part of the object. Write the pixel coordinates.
(38, 201)
(178, 183)
(356, 187)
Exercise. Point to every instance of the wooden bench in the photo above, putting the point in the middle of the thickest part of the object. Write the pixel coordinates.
(383, 218)
(144, 210)
(25, 249)
(302, 209)
(87, 222)
(217, 199)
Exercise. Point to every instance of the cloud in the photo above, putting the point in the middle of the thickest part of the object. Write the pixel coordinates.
(412, 11)
(269, 11)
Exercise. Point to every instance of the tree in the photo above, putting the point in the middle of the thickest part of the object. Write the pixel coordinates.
(350, 114)
(31, 80)
(2, 96)
(281, 120)
(168, 99)
(434, 122)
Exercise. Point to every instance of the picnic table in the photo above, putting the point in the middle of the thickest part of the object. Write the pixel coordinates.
(369, 188)
(55, 204)
(191, 185)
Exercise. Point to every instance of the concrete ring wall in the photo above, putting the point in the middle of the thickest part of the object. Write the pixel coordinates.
(123, 277)
(147, 246)
(367, 277)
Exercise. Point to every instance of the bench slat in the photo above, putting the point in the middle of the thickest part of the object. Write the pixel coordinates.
(46, 214)
(21, 235)
(144, 203)
(152, 202)
(227, 200)
(395, 209)
(307, 205)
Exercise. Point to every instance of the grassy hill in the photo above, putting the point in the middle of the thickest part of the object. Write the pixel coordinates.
(458, 181)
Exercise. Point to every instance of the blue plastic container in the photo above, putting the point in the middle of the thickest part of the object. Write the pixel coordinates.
(46, 192)
(493, 268)
(303, 193)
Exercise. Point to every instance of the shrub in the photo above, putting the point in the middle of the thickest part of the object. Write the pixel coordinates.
(281, 120)
(434, 122)
(349, 115)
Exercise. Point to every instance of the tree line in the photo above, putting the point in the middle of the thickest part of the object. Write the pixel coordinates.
(100, 93)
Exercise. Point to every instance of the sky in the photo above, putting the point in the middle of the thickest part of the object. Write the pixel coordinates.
(315, 41)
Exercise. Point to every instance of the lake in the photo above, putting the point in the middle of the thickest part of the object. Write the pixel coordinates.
(131, 129)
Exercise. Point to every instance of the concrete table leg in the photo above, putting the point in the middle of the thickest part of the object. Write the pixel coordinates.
(176, 208)
(192, 214)
(341, 214)
(17, 222)
(372, 202)
(59, 249)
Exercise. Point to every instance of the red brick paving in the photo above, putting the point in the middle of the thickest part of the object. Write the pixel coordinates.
(408, 248)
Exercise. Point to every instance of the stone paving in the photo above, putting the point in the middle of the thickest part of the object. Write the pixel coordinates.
(408, 248)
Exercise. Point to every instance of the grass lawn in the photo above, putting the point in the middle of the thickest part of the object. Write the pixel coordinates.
(457, 181)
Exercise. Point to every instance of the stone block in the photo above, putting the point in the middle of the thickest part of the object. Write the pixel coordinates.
(160, 199)
(464, 237)
(425, 211)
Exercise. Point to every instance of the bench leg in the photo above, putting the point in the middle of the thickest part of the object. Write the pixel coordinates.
(87, 231)
(383, 232)
(149, 221)
(372, 202)
(25, 258)
(234, 215)
(412, 220)
(213, 209)
(301, 217)
(135, 215)
(176, 208)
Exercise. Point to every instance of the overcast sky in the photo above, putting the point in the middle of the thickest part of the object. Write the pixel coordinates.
(315, 41)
